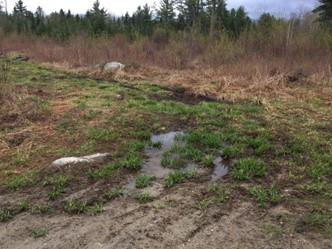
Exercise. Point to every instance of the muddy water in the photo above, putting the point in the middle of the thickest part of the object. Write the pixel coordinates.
(153, 165)
(219, 171)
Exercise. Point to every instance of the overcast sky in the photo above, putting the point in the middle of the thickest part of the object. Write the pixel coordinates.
(254, 7)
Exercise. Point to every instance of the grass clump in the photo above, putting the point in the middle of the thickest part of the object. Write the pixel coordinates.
(316, 187)
(114, 193)
(107, 171)
(233, 151)
(41, 208)
(144, 198)
(100, 134)
(178, 176)
(81, 207)
(58, 184)
(18, 182)
(75, 207)
(220, 193)
(208, 161)
(260, 145)
(246, 169)
(96, 209)
(23, 206)
(39, 233)
(316, 221)
(266, 195)
(133, 162)
(143, 181)
(5, 215)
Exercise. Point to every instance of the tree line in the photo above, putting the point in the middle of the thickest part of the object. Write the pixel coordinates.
(208, 17)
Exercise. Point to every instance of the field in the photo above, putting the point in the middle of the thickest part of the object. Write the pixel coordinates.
(274, 138)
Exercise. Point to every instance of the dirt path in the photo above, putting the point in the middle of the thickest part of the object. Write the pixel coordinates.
(171, 221)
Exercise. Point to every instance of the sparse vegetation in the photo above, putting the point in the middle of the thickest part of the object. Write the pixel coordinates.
(266, 195)
(5, 215)
(41, 208)
(17, 182)
(39, 232)
(75, 207)
(259, 97)
(178, 176)
(317, 220)
(58, 184)
(23, 206)
(246, 169)
(144, 198)
(114, 193)
(143, 181)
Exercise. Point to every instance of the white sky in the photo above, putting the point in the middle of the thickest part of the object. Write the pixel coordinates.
(254, 7)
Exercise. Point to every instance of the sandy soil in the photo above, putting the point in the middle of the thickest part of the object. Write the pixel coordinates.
(172, 220)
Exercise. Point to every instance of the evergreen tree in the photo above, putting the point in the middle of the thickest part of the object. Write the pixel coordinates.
(191, 11)
(325, 11)
(39, 21)
(238, 21)
(97, 19)
(142, 20)
(19, 16)
(265, 23)
(166, 13)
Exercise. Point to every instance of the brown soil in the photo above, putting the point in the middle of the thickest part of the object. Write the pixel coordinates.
(172, 220)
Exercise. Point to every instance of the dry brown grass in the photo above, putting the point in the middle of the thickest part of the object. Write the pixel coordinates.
(254, 66)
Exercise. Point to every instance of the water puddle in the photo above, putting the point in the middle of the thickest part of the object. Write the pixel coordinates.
(152, 166)
(220, 170)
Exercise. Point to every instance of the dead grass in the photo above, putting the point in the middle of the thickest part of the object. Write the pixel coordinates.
(257, 65)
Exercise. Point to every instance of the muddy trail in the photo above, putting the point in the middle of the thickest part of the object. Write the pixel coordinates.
(143, 166)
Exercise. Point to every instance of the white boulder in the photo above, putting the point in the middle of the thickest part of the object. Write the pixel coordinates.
(113, 67)
(96, 158)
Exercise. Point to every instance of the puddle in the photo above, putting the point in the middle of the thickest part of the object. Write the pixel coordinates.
(130, 186)
(220, 170)
(152, 166)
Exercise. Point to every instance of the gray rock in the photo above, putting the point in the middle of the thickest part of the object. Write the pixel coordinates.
(113, 67)
(96, 158)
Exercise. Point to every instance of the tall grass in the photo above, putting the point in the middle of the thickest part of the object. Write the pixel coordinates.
(258, 53)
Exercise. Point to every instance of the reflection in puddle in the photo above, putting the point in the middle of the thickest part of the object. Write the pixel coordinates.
(152, 166)
(220, 170)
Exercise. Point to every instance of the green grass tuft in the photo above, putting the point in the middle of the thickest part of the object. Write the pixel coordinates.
(143, 181)
(266, 195)
(18, 182)
(144, 198)
(5, 215)
(246, 169)
(178, 176)
(39, 233)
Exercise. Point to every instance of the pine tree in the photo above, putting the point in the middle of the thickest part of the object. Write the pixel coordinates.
(142, 20)
(238, 21)
(19, 15)
(191, 11)
(166, 13)
(325, 11)
(97, 19)
(39, 21)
